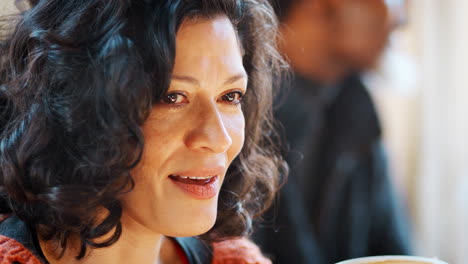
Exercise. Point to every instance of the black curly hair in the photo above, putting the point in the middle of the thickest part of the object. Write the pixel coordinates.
(78, 79)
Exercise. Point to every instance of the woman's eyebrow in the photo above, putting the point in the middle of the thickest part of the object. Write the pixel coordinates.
(194, 81)
(235, 78)
(187, 79)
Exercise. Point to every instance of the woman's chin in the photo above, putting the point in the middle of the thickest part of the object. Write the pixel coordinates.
(202, 229)
(194, 228)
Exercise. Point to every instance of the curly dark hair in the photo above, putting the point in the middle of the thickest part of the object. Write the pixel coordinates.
(78, 78)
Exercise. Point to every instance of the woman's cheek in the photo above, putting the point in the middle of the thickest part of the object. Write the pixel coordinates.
(235, 125)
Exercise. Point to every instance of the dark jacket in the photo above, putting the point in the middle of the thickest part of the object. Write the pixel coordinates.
(338, 202)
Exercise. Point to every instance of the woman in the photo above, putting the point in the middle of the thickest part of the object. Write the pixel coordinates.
(126, 124)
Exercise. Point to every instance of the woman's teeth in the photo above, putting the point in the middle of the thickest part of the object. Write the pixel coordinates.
(193, 178)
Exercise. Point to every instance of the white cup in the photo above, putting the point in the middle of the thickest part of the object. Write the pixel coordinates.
(393, 260)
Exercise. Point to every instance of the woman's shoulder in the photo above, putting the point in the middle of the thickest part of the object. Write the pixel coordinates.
(238, 251)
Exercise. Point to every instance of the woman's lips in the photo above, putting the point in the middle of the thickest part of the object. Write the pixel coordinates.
(200, 188)
(200, 183)
(191, 180)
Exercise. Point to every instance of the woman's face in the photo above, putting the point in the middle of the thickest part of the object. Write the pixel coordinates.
(192, 135)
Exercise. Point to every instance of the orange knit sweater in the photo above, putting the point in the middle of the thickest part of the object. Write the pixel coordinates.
(14, 252)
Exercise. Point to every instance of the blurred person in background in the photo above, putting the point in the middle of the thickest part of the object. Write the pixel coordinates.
(339, 201)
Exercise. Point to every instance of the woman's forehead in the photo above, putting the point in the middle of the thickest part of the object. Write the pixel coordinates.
(207, 43)
(202, 30)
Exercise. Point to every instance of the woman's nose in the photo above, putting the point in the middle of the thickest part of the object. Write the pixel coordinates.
(209, 132)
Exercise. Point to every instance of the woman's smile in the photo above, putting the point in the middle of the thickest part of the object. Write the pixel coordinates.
(200, 183)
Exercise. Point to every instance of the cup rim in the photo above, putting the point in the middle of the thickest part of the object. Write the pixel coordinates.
(391, 257)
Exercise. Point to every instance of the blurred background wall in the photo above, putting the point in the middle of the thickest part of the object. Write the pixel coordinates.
(7, 7)
(421, 91)
(422, 95)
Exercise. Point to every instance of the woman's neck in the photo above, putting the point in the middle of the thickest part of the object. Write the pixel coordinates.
(137, 244)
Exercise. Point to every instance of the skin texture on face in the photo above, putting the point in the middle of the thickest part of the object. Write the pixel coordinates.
(198, 125)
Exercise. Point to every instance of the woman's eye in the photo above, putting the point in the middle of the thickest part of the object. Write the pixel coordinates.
(232, 97)
(174, 98)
